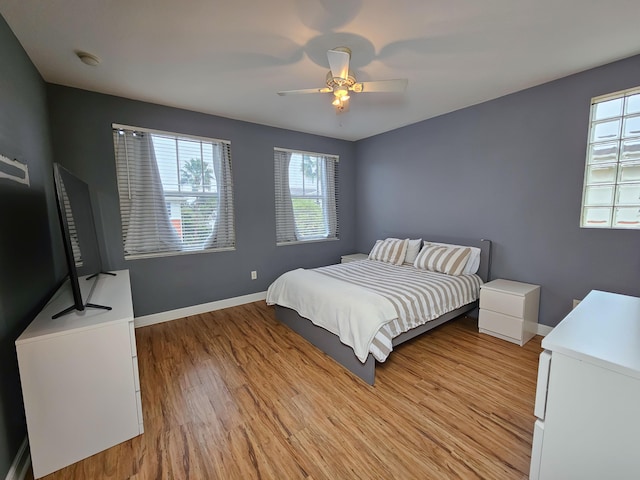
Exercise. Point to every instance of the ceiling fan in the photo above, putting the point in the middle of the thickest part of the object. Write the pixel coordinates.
(341, 81)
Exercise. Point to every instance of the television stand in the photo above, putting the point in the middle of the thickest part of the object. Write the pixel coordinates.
(97, 274)
(73, 307)
(87, 296)
(79, 376)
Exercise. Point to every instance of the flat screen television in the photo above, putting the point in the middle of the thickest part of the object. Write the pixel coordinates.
(78, 235)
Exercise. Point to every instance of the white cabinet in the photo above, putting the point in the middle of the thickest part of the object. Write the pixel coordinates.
(588, 393)
(79, 376)
(509, 310)
(353, 257)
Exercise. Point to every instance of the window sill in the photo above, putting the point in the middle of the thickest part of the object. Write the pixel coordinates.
(299, 242)
(142, 256)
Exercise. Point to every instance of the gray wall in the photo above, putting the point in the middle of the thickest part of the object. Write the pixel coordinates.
(81, 131)
(509, 170)
(28, 271)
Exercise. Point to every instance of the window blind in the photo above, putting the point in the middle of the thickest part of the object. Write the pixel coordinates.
(611, 193)
(175, 192)
(306, 186)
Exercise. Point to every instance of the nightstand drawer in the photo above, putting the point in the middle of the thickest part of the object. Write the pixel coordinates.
(500, 323)
(502, 302)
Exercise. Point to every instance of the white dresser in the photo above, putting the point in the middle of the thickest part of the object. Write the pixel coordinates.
(588, 393)
(79, 376)
(509, 310)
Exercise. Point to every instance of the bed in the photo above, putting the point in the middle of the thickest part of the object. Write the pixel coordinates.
(358, 311)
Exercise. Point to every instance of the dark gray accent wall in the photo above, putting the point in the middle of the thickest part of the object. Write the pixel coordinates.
(82, 141)
(28, 271)
(510, 170)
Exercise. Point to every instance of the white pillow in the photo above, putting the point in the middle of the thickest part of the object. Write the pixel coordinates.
(413, 248)
(473, 263)
(443, 259)
(391, 250)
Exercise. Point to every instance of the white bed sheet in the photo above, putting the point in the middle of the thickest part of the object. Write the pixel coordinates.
(329, 303)
(367, 303)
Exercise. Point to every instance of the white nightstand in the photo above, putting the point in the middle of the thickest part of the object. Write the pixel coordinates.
(353, 257)
(509, 310)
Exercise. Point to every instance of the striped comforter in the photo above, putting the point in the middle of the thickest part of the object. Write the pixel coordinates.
(417, 296)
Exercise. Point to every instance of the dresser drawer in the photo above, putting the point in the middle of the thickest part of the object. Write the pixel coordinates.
(500, 323)
(544, 367)
(132, 338)
(536, 450)
(502, 302)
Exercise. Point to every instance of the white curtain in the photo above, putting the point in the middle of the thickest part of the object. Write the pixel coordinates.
(329, 194)
(285, 220)
(223, 233)
(145, 220)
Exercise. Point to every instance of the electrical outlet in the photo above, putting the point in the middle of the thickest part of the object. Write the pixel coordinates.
(254, 274)
(576, 302)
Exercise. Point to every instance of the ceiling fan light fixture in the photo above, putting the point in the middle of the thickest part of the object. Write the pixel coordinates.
(341, 92)
(341, 81)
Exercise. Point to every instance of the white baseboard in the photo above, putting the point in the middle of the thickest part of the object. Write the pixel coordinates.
(197, 309)
(169, 315)
(21, 463)
(544, 330)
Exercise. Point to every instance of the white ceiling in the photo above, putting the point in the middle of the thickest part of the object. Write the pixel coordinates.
(229, 58)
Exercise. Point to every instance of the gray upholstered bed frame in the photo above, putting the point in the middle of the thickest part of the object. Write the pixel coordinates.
(343, 354)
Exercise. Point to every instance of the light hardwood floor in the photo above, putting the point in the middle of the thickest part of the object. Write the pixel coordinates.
(234, 394)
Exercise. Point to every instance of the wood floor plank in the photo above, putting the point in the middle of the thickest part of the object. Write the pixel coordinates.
(234, 394)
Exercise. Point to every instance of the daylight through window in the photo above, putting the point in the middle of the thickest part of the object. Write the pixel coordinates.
(306, 196)
(175, 192)
(611, 195)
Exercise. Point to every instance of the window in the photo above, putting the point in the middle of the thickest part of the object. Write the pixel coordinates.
(175, 192)
(306, 196)
(611, 195)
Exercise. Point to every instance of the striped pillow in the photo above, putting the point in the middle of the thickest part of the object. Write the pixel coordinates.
(438, 258)
(391, 250)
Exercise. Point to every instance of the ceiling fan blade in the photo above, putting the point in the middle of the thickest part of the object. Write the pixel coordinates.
(306, 90)
(339, 62)
(397, 85)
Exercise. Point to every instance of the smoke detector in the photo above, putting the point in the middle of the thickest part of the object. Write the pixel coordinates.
(88, 59)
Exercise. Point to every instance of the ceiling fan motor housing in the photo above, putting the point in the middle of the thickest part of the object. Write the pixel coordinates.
(334, 82)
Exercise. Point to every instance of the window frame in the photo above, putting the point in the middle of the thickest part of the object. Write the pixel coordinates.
(180, 192)
(617, 183)
(311, 239)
